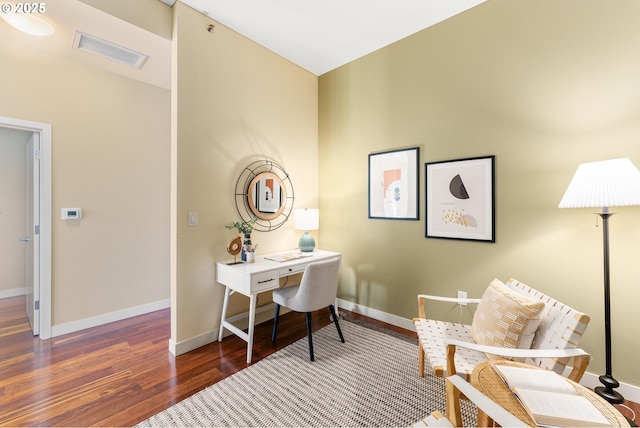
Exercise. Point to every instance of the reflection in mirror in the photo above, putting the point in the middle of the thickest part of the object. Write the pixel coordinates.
(264, 191)
(267, 193)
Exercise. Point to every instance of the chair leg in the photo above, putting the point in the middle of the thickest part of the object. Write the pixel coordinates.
(420, 359)
(309, 336)
(335, 320)
(275, 323)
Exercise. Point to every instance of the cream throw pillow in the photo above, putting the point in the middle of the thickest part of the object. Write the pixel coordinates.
(505, 318)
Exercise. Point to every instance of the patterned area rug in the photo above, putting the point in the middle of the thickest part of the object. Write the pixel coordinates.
(369, 381)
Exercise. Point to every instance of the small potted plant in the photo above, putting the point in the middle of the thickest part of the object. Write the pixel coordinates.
(245, 228)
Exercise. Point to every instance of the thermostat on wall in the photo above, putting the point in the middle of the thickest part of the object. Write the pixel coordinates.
(71, 213)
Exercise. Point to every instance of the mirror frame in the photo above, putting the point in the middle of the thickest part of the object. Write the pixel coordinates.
(247, 186)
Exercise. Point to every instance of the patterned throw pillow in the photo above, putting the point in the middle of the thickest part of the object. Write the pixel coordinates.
(505, 318)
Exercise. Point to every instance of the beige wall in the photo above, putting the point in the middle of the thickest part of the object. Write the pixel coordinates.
(234, 101)
(542, 85)
(152, 15)
(110, 156)
(12, 209)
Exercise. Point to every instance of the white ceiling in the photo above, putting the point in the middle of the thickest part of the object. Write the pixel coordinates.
(322, 35)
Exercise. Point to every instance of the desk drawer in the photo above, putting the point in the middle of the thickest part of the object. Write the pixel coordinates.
(264, 281)
(290, 270)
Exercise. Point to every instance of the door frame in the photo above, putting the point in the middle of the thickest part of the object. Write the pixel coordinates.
(44, 131)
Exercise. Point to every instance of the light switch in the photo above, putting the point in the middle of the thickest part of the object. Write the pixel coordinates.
(193, 219)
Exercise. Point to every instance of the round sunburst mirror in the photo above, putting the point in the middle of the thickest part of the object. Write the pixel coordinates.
(264, 190)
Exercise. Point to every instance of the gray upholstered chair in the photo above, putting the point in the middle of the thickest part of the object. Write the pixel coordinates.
(317, 289)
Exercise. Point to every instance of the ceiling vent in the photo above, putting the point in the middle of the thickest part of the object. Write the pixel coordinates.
(95, 45)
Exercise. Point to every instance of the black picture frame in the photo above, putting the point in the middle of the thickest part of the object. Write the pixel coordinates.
(460, 199)
(394, 184)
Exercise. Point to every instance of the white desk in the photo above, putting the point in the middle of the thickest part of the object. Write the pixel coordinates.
(250, 279)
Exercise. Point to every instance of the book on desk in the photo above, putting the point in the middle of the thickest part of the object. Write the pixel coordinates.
(549, 399)
(286, 256)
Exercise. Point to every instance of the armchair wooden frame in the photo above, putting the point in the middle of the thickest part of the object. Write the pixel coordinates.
(458, 388)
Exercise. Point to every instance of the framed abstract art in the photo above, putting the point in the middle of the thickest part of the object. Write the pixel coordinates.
(393, 184)
(460, 201)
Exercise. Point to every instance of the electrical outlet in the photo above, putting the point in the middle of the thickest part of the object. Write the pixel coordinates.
(462, 295)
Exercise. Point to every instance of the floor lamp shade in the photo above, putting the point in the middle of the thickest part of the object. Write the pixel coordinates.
(306, 219)
(610, 183)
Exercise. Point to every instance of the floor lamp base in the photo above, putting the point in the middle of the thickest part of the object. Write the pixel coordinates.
(607, 392)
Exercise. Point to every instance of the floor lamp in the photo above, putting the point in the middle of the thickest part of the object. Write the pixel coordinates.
(610, 183)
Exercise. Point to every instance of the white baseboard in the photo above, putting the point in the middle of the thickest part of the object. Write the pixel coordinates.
(193, 343)
(263, 313)
(13, 292)
(71, 327)
(590, 380)
(377, 315)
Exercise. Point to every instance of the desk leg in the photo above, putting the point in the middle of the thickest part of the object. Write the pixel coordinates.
(227, 292)
(252, 322)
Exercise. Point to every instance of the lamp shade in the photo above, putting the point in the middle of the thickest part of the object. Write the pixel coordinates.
(609, 183)
(306, 219)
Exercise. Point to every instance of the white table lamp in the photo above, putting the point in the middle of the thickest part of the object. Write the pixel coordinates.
(610, 183)
(306, 219)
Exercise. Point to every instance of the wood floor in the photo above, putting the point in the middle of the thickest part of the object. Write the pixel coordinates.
(121, 373)
(117, 374)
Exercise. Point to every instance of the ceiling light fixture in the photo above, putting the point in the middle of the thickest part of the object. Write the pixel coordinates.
(28, 23)
(104, 48)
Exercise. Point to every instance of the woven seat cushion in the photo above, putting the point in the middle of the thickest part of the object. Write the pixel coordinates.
(505, 318)
(432, 335)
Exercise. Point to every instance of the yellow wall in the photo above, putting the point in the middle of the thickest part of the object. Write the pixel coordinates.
(233, 101)
(542, 85)
(110, 156)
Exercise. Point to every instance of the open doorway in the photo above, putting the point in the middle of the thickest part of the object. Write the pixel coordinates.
(34, 139)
